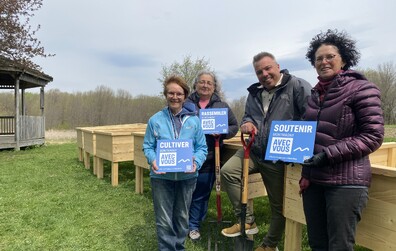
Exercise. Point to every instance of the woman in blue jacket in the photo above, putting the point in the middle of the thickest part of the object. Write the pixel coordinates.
(172, 191)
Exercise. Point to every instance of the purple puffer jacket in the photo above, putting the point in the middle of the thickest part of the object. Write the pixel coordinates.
(350, 127)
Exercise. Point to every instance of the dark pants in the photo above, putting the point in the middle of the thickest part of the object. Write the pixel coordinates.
(200, 199)
(172, 201)
(332, 213)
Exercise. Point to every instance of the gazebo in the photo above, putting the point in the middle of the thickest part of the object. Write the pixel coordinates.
(21, 130)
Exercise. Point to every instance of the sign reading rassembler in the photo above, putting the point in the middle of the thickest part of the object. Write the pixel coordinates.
(291, 141)
(174, 155)
(214, 120)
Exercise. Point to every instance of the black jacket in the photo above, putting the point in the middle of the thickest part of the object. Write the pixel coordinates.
(215, 102)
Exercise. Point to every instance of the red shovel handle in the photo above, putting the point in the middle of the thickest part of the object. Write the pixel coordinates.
(246, 147)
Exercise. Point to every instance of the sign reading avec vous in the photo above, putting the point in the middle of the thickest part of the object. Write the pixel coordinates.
(291, 141)
(174, 155)
(214, 120)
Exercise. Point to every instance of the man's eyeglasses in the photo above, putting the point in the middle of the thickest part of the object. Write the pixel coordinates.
(203, 82)
(171, 94)
(328, 58)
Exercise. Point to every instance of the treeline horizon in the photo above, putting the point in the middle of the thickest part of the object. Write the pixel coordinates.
(102, 106)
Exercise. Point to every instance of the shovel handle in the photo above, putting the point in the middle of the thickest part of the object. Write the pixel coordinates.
(245, 169)
(217, 163)
(217, 174)
(246, 147)
(245, 178)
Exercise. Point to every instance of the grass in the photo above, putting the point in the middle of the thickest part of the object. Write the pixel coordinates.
(49, 201)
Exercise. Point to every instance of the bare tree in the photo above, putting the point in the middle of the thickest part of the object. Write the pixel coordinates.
(188, 69)
(385, 78)
(17, 36)
(238, 107)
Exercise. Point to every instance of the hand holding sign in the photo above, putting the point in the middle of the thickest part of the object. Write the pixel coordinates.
(155, 168)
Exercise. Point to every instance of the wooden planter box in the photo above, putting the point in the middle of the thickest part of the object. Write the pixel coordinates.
(377, 229)
(86, 139)
(116, 145)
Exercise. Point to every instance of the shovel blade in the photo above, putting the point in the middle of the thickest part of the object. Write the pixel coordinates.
(244, 243)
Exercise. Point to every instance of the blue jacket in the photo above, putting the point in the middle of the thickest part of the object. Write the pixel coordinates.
(160, 127)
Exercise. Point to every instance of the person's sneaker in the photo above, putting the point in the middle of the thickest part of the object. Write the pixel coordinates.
(266, 248)
(235, 230)
(194, 235)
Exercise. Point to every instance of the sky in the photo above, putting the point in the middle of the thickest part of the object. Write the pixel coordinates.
(123, 44)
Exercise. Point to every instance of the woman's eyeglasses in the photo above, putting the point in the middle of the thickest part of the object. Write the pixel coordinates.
(328, 58)
(203, 82)
(178, 94)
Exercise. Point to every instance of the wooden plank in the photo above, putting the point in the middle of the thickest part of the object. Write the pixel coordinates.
(377, 230)
(392, 157)
(139, 157)
(104, 146)
(292, 230)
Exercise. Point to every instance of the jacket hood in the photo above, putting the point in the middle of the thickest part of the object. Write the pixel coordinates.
(188, 109)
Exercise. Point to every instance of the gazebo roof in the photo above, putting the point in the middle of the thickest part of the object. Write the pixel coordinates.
(28, 78)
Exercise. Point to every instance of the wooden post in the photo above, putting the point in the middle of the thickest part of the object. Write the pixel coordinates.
(17, 118)
(293, 233)
(114, 173)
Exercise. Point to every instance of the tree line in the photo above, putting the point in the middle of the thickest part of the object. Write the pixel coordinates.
(104, 106)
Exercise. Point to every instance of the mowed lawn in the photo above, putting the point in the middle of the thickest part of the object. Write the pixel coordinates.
(49, 201)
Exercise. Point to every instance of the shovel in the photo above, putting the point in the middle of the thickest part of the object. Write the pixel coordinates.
(219, 222)
(245, 242)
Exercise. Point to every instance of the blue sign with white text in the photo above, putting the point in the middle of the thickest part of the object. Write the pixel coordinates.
(214, 120)
(291, 141)
(174, 155)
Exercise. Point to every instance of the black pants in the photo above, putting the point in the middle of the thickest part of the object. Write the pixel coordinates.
(332, 213)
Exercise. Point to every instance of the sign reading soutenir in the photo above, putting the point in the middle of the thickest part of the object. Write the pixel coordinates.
(175, 155)
(291, 141)
(214, 120)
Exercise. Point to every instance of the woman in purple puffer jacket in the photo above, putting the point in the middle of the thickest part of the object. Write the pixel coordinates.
(350, 126)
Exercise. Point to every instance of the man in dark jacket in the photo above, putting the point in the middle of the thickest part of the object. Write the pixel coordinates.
(277, 96)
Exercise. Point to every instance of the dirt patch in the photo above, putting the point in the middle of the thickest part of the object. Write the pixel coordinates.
(60, 136)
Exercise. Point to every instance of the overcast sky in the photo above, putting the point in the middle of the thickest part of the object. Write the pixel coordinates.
(123, 44)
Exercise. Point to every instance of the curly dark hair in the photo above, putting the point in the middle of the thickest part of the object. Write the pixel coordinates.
(344, 43)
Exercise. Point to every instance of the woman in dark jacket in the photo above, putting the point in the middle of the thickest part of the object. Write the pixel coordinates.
(207, 95)
(350, 126)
